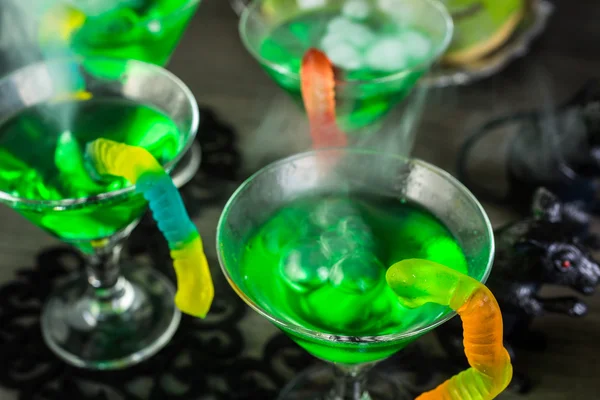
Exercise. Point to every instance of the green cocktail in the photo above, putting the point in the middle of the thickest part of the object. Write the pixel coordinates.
(105, 317)
(380, 49)
(41, 159)
(307, 241)
(363, 50)
(146, 30)
(320, 263)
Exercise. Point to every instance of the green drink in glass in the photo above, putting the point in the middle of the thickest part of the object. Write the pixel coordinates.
(146, 30)
(380, 48)
(307, 244)
(107, 317)
(55, 169)
(319, 262)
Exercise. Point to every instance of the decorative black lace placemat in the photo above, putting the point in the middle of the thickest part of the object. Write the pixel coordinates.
(206, 359)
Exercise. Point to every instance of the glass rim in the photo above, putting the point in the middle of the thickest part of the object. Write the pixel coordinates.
(172, 13)
(355, 340)
(441, 48)
(178, 10)
(65, 204)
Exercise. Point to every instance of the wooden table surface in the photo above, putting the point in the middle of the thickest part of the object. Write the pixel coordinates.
(213, 62)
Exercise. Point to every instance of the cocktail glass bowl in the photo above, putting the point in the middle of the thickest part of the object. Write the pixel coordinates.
(362, 103)
(356, 171)
(142, 30)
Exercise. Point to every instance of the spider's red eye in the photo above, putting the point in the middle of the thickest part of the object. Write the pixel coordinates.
(566, 264)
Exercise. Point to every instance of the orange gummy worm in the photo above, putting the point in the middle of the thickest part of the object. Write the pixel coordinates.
(417, 282)
(318, 95)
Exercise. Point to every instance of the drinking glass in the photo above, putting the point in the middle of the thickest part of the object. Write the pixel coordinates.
(117, 313)
(145, 30)
(349, 374)
(277, 33)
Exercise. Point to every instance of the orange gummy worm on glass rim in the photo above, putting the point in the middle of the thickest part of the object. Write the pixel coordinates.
(417, 282)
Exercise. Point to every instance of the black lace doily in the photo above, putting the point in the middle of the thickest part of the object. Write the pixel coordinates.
(206, 359)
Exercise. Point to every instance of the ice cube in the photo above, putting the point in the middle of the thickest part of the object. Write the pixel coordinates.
(356, 9)
(353, 33)
(387, 54)
(386, 5)
(335, 246)
(338, 25)
(357, 273)
(328, 213)
(306, 4)
(70, 162)
(354, 230)
(344, 56)
(32, 185)
(362, 39)
(331, 41)
(287, 226)
(400, 10)
(418, 46)
(305, 267)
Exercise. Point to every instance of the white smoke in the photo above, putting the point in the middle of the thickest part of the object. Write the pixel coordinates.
(399, 128)
(19, 22)
(20, 47)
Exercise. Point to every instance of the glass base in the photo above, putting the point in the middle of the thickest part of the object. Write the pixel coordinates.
(317, 383)
(115, 328)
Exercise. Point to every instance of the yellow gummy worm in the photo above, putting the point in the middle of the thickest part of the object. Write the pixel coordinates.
(417, 282)
(195, 287)
(195, 291)
(80, 95)
(118, 159)
(60, 22)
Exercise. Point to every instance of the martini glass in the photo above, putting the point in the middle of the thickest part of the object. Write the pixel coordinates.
(117, 313)
(145, 30)
(380, 48)
(395, 181)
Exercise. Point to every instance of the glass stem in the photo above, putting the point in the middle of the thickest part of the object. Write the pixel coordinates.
(111, 291)
(351, 382)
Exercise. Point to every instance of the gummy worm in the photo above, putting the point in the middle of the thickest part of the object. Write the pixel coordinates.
(195, 289)
(318, 95)
(80, 95)
(60, 23)
(417, 282)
